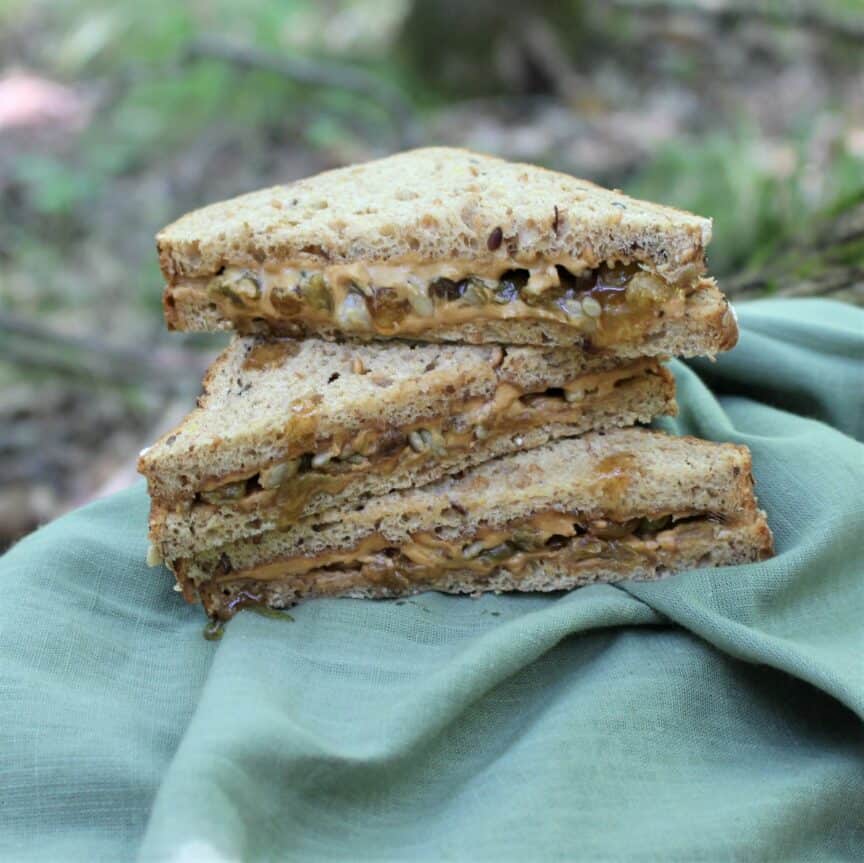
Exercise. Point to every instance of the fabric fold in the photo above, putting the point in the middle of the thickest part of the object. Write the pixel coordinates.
(712, 715)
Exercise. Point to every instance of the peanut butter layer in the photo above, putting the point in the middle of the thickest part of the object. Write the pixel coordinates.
(612, 303)
(547, 536)
(541, 536)
(291, 483)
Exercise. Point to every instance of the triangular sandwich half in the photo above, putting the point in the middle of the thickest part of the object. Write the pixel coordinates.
(629, 503)
(286, 428)
(443, 244)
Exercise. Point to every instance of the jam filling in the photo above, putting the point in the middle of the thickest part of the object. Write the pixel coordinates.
(608, 303)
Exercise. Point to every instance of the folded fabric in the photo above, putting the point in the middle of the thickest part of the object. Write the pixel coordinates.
(715, 715)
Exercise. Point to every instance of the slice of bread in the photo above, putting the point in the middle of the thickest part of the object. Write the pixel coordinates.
(431, 205)
(266, 401)
(183, 530)
(736, 542)
(445, 245)
(598, 479)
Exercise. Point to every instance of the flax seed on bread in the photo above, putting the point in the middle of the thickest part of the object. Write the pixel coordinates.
(446, 245)
(429, 205)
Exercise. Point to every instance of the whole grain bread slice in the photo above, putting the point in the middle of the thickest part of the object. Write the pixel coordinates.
(431, 205)
(614, 477)
(742, 541)
(180, 531)
(269, 400)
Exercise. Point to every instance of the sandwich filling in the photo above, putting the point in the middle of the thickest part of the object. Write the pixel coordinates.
(290, 483)
(610, 304)
(426, 557)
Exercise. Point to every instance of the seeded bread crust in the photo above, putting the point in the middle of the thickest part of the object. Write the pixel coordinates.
(729, 545)
(246, 418)
(430, 205)
(181, 533)
(616, 475)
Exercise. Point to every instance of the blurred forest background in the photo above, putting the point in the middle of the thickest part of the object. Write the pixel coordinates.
(117, 117)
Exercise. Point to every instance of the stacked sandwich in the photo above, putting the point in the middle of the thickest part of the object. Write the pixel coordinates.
(438, 362)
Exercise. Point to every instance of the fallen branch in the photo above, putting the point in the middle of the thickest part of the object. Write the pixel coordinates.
(32, 345)
(303, 70)
(543, 45)
(800, 15)
(827, 260)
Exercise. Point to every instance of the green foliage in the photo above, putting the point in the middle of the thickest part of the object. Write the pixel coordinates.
(51, 185)
(154, 106)
(756, 191)
(159, 102)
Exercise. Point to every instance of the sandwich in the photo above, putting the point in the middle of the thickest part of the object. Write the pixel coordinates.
(286, 429)
(444, 245)
(628, 503)
(343, 446)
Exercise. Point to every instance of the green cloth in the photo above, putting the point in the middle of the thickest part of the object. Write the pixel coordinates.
(712, 716)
